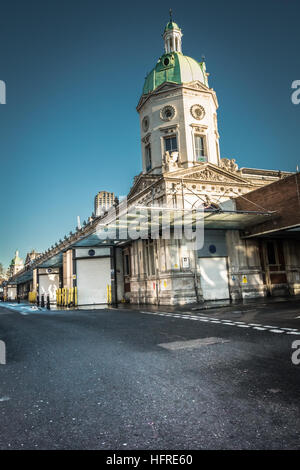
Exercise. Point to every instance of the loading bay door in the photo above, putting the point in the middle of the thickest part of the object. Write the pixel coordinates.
(93, 276)
(48, 284)
(214, 278)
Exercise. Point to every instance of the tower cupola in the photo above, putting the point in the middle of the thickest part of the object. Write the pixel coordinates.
(172, 37)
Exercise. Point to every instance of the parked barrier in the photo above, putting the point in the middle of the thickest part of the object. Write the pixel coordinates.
(32, 297)
(66, 297)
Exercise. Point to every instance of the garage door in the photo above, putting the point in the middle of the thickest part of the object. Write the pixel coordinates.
(93, 276)
(48, 285)
(214, 278)
(12, 293)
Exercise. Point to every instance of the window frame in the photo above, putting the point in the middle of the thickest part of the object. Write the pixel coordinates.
(170, 137)
(202, 158)
(148, 157)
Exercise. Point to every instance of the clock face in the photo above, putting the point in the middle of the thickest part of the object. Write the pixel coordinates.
(197, 111)
(145, 123)
(167, 113)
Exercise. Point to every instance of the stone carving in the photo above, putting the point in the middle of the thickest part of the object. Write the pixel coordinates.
(167, 113)
(229, 165)
(197, 111)
(145, 123)
(209, 175)
(171, 161)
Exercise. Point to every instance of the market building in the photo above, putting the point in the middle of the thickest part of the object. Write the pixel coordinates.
(183, 174)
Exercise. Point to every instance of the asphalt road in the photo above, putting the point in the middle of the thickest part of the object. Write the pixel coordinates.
(100, 380)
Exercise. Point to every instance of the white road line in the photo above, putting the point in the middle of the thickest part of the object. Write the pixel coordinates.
(240, 324)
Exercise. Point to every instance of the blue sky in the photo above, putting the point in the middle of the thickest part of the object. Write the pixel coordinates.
(74, 72)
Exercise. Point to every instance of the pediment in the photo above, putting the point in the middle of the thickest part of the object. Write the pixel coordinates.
(197, 85)
(207, 172)
(166, 86)
(141, 182)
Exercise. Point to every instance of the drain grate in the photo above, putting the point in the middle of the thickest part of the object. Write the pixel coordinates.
(193, 343)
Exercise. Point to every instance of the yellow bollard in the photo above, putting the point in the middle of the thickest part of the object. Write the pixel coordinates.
(108, 293)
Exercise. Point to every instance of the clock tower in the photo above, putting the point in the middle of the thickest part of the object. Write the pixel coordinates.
(178, 111)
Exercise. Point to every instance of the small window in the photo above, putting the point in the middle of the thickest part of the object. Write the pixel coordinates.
(148, 157)
(126, 265)
(200, 148)
(171, 144)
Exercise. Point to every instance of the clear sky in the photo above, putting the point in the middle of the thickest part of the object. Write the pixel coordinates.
(74, 72)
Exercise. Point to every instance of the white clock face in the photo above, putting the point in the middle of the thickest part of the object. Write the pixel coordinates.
(197, 111)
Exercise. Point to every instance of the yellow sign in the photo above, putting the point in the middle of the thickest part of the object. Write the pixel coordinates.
(245, 280)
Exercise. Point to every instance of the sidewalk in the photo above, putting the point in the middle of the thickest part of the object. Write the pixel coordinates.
(212, 304)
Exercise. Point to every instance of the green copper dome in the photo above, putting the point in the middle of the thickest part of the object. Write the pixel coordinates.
(175, 68)
(171, 25)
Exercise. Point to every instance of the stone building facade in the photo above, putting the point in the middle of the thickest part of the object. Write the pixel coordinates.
(183, 169)
(250, 246)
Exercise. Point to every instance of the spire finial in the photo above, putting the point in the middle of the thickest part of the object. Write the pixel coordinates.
(170, 11)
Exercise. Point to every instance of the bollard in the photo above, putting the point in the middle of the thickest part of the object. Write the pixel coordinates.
(38, 300)
(18, 299)
(48, 302)
(42, 301)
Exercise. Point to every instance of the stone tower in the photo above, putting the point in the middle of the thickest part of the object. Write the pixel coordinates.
(178, 111)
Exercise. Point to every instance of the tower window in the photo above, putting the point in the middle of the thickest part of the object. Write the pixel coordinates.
(171, 144)
(200, 148)
(148, 157)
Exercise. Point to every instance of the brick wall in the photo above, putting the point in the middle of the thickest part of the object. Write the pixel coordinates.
(282, 196)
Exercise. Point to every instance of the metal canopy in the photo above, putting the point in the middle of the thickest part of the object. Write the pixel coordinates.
(147, 218)
(115, 229)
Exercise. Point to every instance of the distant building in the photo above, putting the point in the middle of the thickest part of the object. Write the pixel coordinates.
(16, 265)
(103, 201)
(32, 255)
